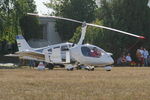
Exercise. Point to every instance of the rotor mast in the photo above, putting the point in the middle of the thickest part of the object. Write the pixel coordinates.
(83, 32)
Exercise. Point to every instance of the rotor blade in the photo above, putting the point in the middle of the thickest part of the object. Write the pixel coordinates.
(56, 17)
(104, 27)
(112, 29)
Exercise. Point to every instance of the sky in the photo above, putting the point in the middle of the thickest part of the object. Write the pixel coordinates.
(41, 8)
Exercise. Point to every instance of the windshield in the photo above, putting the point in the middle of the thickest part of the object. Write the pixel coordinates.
(91, 51)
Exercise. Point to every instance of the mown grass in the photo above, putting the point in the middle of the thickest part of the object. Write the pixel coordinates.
(122, 83)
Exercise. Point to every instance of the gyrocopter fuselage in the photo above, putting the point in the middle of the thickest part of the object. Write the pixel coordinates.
(69, 54)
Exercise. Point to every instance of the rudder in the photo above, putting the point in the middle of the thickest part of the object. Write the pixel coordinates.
(22, 43)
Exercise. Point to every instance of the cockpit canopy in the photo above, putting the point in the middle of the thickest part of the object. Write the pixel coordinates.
(91, 51)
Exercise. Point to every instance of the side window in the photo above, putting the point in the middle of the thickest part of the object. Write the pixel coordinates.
(85, 51)
(56, 47)
(49, 50)
(64, 48)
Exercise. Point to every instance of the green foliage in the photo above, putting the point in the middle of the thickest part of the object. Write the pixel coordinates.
(1, 25)
(128, 15)
(83, 10)
(10, 13)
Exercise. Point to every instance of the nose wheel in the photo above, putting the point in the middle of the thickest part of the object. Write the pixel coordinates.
(90, 68)
(108, 68)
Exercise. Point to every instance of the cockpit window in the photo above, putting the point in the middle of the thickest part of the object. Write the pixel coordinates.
(91, 51)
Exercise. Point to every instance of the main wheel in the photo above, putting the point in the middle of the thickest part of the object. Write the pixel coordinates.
(108, 68)
(92, 69)
(50, 66)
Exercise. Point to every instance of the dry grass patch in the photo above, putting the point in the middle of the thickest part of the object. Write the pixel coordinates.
(59, 84)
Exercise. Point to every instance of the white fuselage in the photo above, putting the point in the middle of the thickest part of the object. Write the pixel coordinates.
(76, 54)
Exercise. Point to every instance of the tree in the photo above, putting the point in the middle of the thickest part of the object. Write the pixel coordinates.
(83, 10)
(127, 15)
(10, 13)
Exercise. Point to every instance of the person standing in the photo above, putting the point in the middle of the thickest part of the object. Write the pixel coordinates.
(145, 55)
(128, 59)
(138, 55)
(123, 60)
(140, 58)
(148, 60)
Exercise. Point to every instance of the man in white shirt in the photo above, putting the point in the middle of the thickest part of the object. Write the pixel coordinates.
(145, 55)
(128, 59)
(142, 51)
(141, 58)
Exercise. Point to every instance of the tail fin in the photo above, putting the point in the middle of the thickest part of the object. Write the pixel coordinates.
(22, 43)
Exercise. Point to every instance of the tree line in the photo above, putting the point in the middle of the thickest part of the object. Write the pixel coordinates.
(128, 15)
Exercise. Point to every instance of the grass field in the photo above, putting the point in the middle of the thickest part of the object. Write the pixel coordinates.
(122, 83)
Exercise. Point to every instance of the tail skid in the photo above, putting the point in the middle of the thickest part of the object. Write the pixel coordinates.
(22, 43)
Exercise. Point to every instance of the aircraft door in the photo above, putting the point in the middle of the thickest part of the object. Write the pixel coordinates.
(56, 55)
(47, 53)
(65, 53)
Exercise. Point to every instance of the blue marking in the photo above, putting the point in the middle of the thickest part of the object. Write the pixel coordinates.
(19, 37)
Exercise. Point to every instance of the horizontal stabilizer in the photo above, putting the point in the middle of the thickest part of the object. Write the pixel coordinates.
(32, 54)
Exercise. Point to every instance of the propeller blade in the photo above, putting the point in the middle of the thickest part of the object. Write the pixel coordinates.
(56, 17)
(99, 26)
(116, 30)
